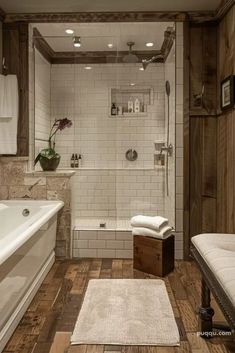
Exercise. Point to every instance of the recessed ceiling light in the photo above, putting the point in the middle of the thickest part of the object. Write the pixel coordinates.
(77, 42)
(69, 31)
(132, 84)
(149, 44)
(141, 68)
(110, 45)
(88, 67)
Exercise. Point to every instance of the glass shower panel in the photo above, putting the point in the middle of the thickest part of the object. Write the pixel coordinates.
(95, 133)
(54, 94)
(140, 181)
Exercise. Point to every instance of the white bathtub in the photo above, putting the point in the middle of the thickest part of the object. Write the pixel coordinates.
(26, 255)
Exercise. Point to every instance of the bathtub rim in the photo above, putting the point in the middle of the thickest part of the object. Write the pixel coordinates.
(7, 251)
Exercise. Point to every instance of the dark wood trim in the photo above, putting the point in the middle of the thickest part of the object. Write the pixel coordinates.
(223, 8)
(97, 57)
(169, 37)
(42, 46)
(129, 16)
(15, 51)
(100, 57)
(186, 168)
(87, 17)
(2, 15)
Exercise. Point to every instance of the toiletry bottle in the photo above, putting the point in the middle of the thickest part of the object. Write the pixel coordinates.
(113, 109)
(130, 105)
(76, 161)
(79, 160)
(72, 161)
(137, 105)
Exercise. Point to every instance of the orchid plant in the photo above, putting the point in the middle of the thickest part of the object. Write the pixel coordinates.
(50, 153)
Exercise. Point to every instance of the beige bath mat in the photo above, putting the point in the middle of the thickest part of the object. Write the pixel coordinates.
(126, 312)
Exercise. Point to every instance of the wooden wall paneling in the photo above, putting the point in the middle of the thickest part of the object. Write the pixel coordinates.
(186, 151)
(195, 66)
(221, 177)
(226, 50)
(203, 181)
(209, 175)
(209, 73)
(15, 51)
(209, 157)
(203, 69)
(196, 167)
(226, 173)
(23, 125)
(226, 130)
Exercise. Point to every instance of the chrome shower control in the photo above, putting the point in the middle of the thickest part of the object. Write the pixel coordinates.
(25, 212)
(131, 155)
(168, 149)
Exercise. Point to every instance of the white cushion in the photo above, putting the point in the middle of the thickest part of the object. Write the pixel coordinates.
(218, 250)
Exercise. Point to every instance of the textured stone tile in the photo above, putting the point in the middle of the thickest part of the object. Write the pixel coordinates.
(3, 192)
(57, 183)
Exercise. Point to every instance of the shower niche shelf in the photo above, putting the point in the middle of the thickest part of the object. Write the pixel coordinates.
(121, 96)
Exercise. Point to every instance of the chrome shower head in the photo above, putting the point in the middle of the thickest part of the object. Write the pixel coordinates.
(130, 57)
(146, 62)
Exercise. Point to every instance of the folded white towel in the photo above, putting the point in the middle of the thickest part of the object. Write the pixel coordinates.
(155, 223)
(162, 234)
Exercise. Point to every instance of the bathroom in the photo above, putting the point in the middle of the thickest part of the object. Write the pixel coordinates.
(130, 106)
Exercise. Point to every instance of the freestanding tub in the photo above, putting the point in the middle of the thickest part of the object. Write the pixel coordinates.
(27, 242)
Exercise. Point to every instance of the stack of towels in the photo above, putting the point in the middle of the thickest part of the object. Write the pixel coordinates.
(155, 227)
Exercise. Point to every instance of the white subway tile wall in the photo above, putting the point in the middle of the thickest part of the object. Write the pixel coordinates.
(118, 194)
(120, 247)
(84, 96)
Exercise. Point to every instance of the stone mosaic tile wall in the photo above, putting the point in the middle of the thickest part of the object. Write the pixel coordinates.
(16, 183)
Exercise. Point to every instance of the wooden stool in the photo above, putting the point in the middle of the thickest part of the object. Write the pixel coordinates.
(154, 256)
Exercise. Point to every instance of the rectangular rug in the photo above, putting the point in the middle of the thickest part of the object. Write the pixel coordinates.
(126, 312)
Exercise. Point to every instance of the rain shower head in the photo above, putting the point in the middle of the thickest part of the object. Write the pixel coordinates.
(146, 62)
(130, 57)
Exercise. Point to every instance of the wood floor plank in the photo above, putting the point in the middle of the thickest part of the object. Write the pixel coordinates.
(95, 268)
(117, 268)
(188, 316)
(77, 349)
(61, 342)
(95, 349)
(131, 349)
(127, 269)
(47, 325)
(197, 343)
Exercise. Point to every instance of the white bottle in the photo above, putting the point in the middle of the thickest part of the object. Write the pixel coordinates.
(130, 105)
(137, 105)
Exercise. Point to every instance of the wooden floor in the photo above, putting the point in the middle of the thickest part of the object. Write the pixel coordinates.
(47, 325)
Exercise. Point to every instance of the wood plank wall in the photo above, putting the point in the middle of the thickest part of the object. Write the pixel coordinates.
(15, 51)
(202, 130)
(226, 130)
(211, 132)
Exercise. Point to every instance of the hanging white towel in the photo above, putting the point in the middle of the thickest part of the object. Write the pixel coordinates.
(9, 111)
(155, 223)
(162, 234)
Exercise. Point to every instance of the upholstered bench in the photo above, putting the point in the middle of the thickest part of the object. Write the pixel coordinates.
(215, 256)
